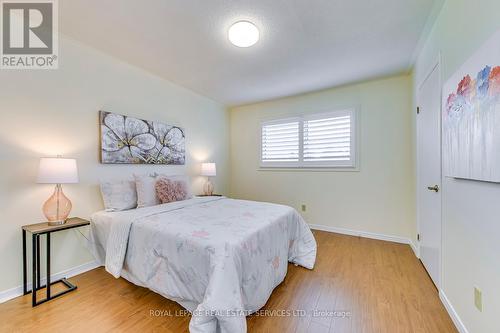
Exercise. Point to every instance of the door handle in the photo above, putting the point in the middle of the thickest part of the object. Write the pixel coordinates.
(434, 188)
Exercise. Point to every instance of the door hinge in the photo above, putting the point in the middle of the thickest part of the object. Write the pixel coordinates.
(418, 237)
(418, 109)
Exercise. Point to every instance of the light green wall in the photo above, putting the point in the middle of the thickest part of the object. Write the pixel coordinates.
(45, 113)
(471, 210)
(378, 199)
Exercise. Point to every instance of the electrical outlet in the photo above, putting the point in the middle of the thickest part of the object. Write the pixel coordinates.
(478, 299)
(303, 207)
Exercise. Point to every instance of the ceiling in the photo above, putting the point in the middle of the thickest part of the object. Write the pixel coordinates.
(305, 45)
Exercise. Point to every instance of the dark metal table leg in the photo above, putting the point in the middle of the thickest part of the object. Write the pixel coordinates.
(25, 274)
(48, 265)
(33, 285)
(36, 276)
(38, 285)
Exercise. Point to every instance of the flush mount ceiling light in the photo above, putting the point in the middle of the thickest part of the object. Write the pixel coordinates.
(243, 34)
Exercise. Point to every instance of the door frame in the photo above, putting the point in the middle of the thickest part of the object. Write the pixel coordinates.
(436, 64)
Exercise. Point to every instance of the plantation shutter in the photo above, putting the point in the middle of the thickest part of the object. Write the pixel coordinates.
(280, 142)
(327, 139)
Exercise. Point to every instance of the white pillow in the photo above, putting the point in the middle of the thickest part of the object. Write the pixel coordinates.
(183, 178)
(146, 192)
(119, 195)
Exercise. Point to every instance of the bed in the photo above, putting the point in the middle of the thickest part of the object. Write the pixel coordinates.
(219, 258)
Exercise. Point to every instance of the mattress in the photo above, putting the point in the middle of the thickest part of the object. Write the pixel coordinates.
(219, 258)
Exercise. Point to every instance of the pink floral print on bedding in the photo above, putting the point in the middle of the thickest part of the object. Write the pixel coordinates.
(169, 190)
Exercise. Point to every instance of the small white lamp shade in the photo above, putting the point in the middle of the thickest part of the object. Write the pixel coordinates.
(208, 169)
(55, 170)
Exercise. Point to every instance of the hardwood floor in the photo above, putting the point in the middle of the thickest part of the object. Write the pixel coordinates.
(380, 285)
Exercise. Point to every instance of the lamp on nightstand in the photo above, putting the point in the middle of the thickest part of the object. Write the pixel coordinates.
(208, 170)
(57, 170)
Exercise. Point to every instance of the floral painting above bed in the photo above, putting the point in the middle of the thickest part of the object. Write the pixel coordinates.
(471, 117)
(128, 140)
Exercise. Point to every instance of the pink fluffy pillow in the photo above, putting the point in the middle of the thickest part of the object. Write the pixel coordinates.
(169, 190)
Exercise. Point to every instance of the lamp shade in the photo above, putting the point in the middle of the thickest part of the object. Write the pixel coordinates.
(55, 170)
(208, 169)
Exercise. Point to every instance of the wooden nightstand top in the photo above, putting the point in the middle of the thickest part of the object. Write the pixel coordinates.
(40, 228)
(209, 195)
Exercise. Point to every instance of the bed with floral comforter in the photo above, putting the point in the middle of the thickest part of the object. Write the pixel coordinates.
(219, 258)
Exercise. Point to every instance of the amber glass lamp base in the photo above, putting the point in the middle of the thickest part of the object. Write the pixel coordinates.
(57, 208)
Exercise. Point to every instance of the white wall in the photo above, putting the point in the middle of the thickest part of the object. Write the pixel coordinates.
(378, 199)
(471, 210)
(45, 113)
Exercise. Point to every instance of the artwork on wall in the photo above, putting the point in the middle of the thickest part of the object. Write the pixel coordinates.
(128, 140)
(471, 117)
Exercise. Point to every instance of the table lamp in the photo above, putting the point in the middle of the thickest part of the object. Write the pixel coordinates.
(57, 170)
(208, 170)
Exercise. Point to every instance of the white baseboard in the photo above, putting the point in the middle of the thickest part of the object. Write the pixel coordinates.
(364, 234)
(388, 238)
(415, 249)
(453, 314)
(18, 291)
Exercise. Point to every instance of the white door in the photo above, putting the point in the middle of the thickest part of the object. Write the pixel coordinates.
(429, 174)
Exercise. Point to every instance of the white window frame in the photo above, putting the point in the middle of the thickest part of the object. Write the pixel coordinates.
(351, 164)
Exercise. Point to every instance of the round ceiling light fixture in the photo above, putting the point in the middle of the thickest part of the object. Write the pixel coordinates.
(243, 34)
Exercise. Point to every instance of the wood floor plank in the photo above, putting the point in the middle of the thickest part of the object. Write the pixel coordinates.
(358, 285)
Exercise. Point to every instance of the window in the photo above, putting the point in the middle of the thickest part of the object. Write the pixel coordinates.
(318, 140)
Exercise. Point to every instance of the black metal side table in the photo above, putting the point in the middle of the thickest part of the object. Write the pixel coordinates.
(36, 231)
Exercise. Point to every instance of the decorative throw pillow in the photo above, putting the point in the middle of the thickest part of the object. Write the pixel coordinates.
(119, 195)
(168, 190)
(146, 193)
(182, 178)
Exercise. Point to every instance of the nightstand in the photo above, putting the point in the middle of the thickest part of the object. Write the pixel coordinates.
(36, 231)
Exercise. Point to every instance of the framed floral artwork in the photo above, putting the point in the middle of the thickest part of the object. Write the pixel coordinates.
(471, 117)
(128, 140)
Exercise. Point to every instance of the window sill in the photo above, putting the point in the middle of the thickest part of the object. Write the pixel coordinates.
(310, 169)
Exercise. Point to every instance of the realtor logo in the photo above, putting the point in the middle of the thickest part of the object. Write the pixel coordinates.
(29, 34)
